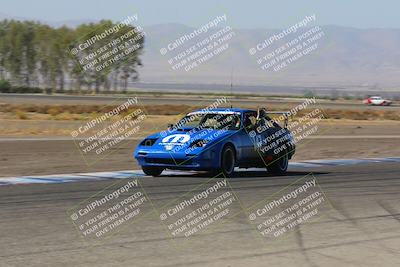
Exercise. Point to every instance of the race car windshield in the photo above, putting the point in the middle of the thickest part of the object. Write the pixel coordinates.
(211, 120)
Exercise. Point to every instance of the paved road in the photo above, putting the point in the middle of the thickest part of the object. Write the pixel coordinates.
(360, 226)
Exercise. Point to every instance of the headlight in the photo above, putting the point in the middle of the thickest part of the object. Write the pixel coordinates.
(148, 142)
(199, 143)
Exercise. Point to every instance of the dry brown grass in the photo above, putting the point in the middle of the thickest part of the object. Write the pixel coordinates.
(53, 111)
(368, 114)
(83, 112)
(21, 114)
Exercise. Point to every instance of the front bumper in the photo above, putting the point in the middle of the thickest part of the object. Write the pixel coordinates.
(204, 160)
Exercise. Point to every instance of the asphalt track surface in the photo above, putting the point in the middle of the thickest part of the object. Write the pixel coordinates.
(361, 227)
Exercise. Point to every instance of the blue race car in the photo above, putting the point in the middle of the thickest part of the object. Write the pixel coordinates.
(218, 140)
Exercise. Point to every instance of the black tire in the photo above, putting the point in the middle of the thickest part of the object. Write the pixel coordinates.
(279, 166)
(152, 171)
(228, 160)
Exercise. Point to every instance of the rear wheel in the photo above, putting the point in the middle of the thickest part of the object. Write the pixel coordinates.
(280, 165)
(152, 171)
(228, 160)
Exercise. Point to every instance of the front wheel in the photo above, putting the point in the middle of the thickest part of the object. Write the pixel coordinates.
(279, 166)
(228, 160)
(152, 171)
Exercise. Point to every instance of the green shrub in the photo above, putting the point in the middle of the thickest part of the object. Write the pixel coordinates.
(25, 90)
(5, 86)
(309, 94)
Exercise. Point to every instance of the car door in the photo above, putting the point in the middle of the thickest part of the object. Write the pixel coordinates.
(248, 140)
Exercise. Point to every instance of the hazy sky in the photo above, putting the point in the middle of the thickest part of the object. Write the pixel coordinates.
(241, 14)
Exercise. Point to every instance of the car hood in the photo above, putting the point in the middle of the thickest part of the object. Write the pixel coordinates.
(181, 140)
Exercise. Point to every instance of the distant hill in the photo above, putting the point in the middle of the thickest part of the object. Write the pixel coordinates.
(344, 57)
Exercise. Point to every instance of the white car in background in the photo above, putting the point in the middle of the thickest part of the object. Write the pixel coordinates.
(377, 101)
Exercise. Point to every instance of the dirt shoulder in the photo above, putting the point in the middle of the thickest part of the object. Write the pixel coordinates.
(155, 123)
(35, 157)
(335, 139)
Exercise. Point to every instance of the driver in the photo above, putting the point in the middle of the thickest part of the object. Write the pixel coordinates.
(264, 119)
(250, 121)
